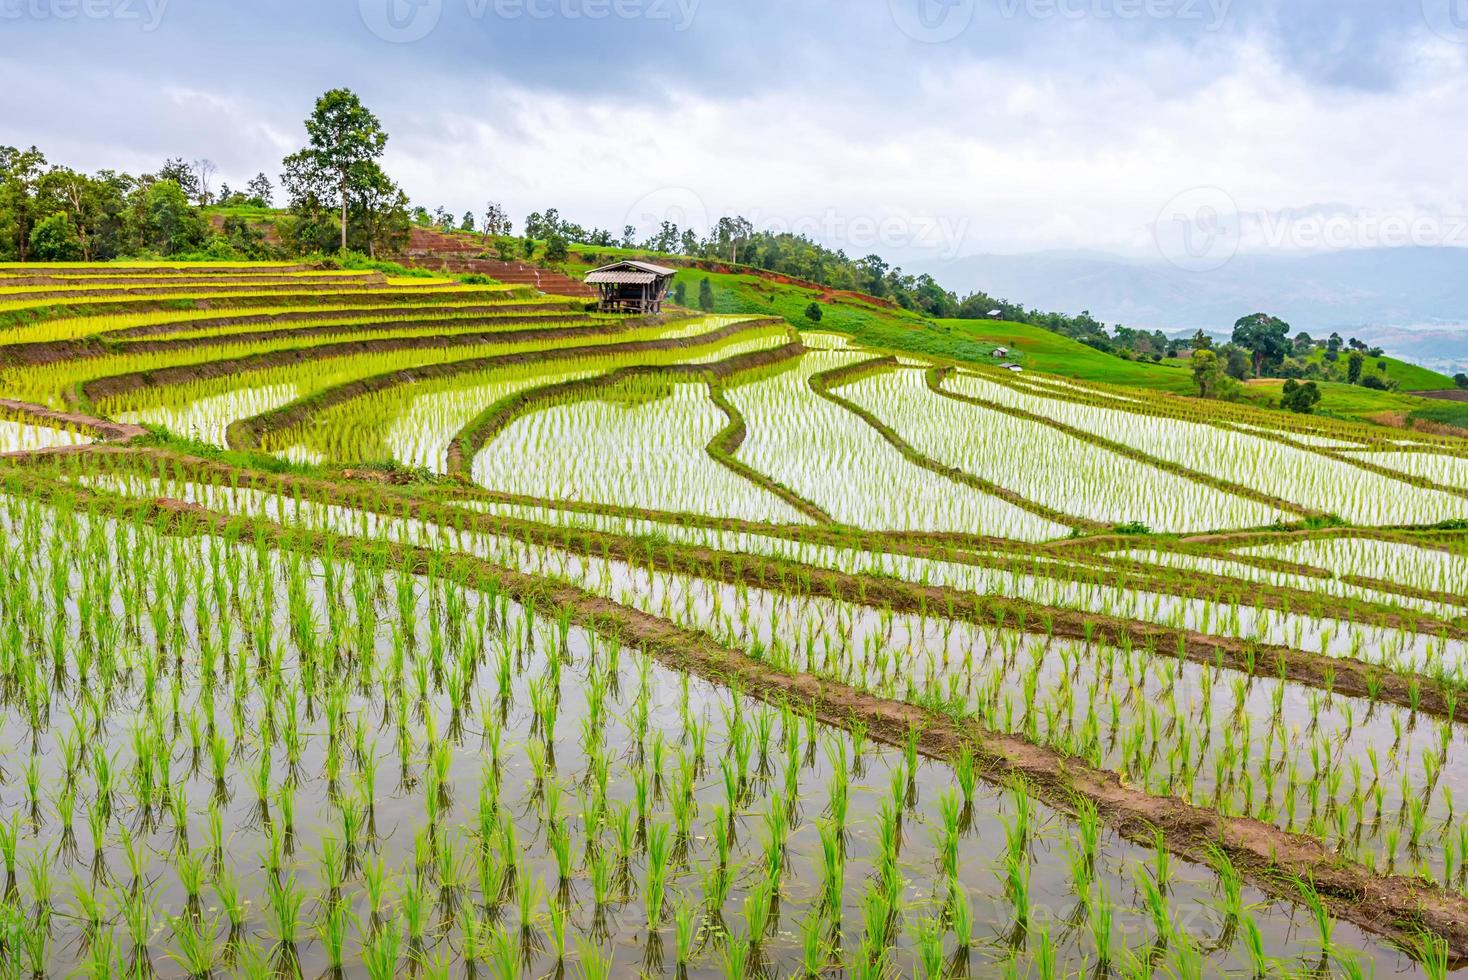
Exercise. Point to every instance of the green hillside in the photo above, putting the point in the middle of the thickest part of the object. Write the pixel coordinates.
(1408, 376)
(1441, 413)
(1042, 350)
(876, 324)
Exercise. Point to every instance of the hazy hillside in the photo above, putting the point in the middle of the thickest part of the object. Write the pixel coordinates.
(1413, 301)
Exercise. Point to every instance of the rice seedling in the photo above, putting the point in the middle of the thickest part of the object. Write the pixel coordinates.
(218, 700)
(595, 965)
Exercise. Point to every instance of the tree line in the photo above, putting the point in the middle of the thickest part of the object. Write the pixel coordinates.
(548, 236)
(338, 198)
(1261, 346)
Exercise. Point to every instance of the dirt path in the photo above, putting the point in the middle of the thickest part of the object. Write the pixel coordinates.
(117, 431)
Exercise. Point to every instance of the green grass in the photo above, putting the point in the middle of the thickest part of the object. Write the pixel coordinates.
(871, 323)
(1039, 349)
(1409, 377)
(247, 211)
(1443, 413)
(210, 264)
(1344, 401)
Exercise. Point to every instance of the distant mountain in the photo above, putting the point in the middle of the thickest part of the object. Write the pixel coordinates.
(1441, 350)
(1411, 301)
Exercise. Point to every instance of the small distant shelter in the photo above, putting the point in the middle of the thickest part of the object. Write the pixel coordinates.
(995, 314)
(1001, 352)
(631, 287)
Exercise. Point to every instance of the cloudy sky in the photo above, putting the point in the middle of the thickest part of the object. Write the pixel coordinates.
(914, 128)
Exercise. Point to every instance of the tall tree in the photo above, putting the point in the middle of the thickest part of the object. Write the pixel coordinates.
(53, 239)
(182, 173)
(496, 219)
(1211, 376)
(204, 171)
(1265, 337)
(78, 199)
(260, 191)
(342, 134)
(166, 221)
(557, 249)
(1354, 364)
(731, 234)
(379, 214)
(20, 172)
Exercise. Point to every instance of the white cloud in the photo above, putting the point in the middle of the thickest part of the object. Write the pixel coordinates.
(1078, 148)
(1028, 161)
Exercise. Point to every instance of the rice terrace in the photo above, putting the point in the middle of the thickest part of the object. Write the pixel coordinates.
(390, 594)
(353, 619)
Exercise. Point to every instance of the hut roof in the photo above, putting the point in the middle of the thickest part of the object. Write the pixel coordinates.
(629, 272)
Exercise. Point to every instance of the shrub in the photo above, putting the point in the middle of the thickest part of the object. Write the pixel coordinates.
(1301, 398)
(53, 239)
(556, 250)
